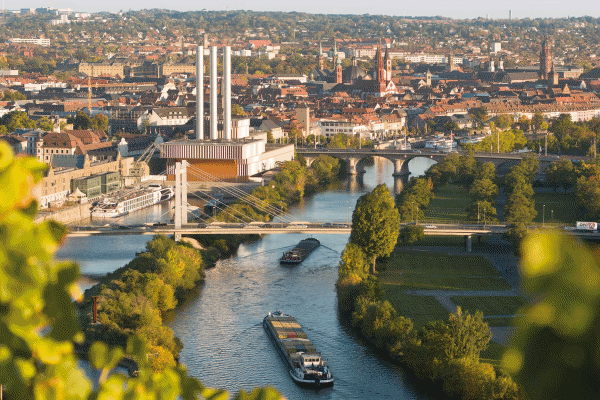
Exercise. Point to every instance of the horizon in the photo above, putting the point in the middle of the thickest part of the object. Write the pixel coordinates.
(470, 9)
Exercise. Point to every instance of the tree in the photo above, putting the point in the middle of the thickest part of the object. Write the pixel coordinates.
(353, 261)
(530, 165)
(451, 126)
(38, 319)
(326, 168)
(482, 211)
(411, 233)
(561, 126)
(524, 123)
(561, 175)
(519, 208)
(99, 122)
(236, 109)
(15, 120)
(516, 180)
(463, 336)
(45, 124)
(480, 113)
(81, 121)
(486, 171)
(375, 224)
(483, 189)
(538, 121)
(504, 121)
(587, 192)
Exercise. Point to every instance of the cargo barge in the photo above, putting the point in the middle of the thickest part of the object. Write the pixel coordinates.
(306, 366)
(300, 252)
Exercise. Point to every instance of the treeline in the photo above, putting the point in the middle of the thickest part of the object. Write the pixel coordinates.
(583, 179)
(289, 185)
(14, 120)
(135, 298)
(445, 353)
(477, 177)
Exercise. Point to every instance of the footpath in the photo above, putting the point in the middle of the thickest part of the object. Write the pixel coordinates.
(500, 255)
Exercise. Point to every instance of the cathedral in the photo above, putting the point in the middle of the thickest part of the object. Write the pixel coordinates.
(354, 79)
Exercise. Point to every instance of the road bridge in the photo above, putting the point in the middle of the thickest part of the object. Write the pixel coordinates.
(467, 231)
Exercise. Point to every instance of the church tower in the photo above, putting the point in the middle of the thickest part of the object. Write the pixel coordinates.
(546, 63)
(388, 65)
(428, 78)
(321, 58)
(338, 69)
(380, 68)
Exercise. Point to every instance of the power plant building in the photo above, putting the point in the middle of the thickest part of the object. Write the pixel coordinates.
(226, 153)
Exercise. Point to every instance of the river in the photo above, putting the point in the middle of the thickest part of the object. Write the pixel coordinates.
(221, 329)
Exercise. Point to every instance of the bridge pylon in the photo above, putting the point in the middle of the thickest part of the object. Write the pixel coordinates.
(181, 215)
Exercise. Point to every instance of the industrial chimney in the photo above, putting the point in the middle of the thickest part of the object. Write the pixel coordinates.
(200, 92)
(227, 93)
(214, 134)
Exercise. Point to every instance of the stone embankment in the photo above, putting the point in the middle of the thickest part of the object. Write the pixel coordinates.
(67, 215)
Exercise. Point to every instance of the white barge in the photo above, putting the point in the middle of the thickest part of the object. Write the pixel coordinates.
(113, 207)
(306, 366)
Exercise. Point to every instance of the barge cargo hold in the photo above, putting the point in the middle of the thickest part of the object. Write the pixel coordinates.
(306, 366)
(300, 252)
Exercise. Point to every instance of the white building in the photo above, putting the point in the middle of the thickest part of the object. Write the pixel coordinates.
(38, 41)
(331, 127)
(168, 116)
(496, 47)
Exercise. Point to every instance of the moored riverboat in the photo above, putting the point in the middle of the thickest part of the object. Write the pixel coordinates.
(113, 207)
(306, 366)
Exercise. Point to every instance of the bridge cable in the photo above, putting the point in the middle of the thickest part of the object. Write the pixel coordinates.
(243, 196)
(251, 200)
(226, 207)
(221, 209)
(257, 202)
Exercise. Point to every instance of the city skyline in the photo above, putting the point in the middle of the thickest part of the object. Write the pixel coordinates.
(469, 9)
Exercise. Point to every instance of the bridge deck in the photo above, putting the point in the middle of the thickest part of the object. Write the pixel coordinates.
(268, 228)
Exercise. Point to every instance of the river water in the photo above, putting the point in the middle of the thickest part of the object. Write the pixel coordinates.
(225, 345)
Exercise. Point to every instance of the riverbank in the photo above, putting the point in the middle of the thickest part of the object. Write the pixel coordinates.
(134, 299)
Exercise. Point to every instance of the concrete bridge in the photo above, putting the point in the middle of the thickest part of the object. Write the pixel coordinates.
(400, 158)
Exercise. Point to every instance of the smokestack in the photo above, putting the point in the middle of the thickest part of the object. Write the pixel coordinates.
(214, 134)
(200, 92)
(227, 93)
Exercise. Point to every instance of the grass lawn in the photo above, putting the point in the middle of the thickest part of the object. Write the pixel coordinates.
(426, 270)
(497, 308)
(490, 305)
(451, 241)
(420, 309)
(431, 264)
(449, 204)
(560, 208)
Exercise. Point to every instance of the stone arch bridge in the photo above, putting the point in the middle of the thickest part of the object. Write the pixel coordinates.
(400, 158)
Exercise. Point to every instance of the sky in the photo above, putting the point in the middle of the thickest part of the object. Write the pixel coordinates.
(445, 8)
